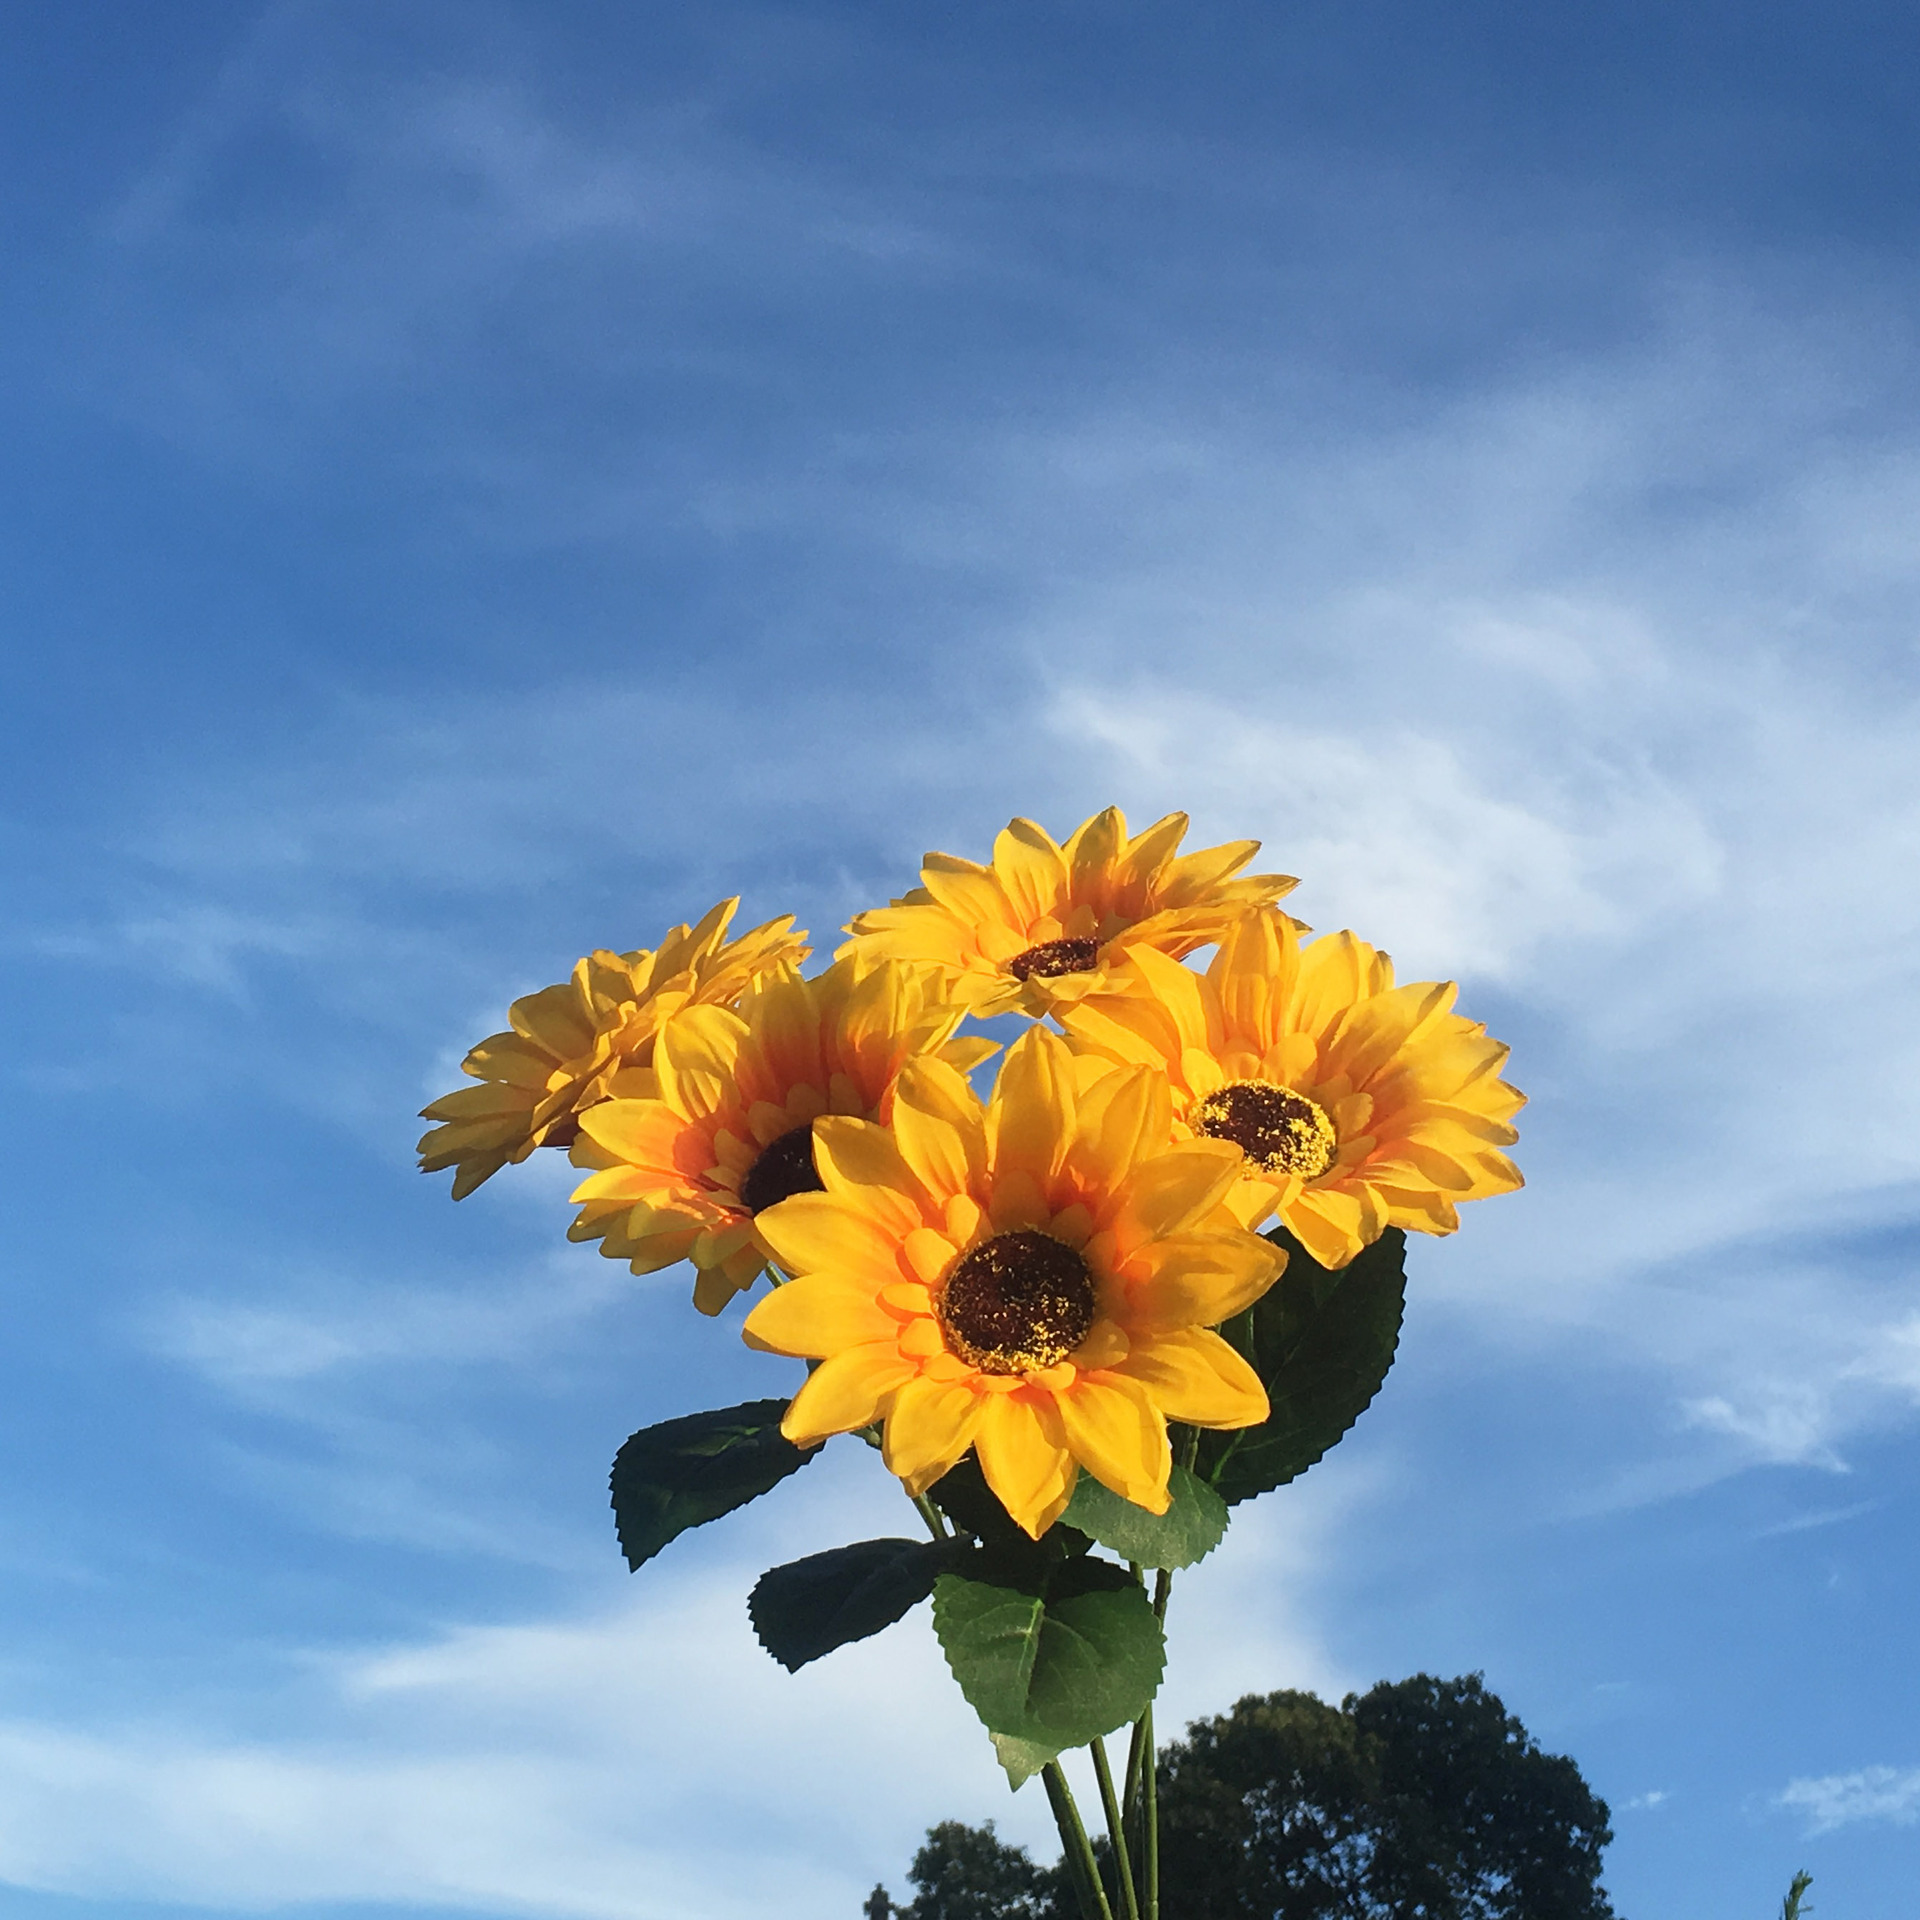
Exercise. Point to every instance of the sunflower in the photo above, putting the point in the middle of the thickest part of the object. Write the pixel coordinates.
(568, 1042)
(722, 1126)
(1358, 1104)
(1034, 1278)
(1044, 923)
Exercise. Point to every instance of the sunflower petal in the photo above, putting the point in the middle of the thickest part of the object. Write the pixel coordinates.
(1023, 1453)
(1195, 1376)
(1117, 1433)
(850, 1390)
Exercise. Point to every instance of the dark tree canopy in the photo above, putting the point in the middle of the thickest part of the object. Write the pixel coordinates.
(1422, 1799)
(968, 1873)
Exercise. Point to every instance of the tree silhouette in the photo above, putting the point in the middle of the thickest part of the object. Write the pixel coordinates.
(1422, 1799)
(969, 1873)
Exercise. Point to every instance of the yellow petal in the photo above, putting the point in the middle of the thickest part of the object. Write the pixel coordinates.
(929, 1426)
(1031, 870)
(1195, 1376)
(1327, 1223)
(1125, 1116)
(1171, 1191)
(1197, 1280)
(1030, 1122)
(830, 1233)
(815, 1316)
(845, 1392)
(642, 1133)
(1023, 1453)
(861, 1164)
(941, 1128)
(1118, 1434)
(695, 1058)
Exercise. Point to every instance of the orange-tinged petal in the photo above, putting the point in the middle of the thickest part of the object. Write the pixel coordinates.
(639, 1132)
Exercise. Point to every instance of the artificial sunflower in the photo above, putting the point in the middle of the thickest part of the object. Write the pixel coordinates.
(1045, 924)
(722, 1127)
(1034, 1278)
(568, 1042)
(1358, 1104)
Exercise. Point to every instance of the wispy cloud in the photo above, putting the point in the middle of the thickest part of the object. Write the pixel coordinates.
(582, 1766)
(1890, 1794)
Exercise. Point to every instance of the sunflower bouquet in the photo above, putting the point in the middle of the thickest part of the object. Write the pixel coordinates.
(1048, 1304)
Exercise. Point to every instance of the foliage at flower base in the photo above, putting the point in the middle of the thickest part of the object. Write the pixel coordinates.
(1042, 1303)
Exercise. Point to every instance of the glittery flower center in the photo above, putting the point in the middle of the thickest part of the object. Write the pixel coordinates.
(1017, 1303)
(1279, 1131)
(784, 1168)
(1051, 958)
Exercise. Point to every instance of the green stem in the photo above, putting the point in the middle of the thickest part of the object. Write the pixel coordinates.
(935, 1519)
(1116, 1831)
(1074, 1843)
(1134, 1748)
(1150, 1820)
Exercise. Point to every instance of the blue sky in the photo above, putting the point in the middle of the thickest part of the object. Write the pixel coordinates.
(481, 482)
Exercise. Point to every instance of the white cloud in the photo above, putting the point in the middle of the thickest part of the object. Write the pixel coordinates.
(594, 1767)
(1400, 836)
(1835, 1800)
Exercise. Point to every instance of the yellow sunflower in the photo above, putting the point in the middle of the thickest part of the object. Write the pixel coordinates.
(1358, 1104)
(722, 1126)
(568, 1042)
(1045, 923)
(1034, 1278)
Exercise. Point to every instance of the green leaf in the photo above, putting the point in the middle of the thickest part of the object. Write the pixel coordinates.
(809, 1607)
(686, 1472)
(1194, 1523)
(1054, 1667)
(1022, 1758)
(1321, 1341)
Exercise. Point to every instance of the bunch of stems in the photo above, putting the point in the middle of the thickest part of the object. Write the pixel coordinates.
(1132, 1813)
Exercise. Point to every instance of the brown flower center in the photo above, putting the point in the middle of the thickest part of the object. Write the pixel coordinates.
(1278, 1130)
(1018, 1302)
(1051, 958)
(785, 1167)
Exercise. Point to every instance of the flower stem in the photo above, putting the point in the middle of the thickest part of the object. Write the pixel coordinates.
(1116, 1831)
(936, 1521)
(1074, 1843)
(1150, 1825)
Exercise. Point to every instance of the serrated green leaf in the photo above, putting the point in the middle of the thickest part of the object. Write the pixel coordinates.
(1194, 1523)
(683, 1473)
(1056, 1667)
(809, 1607)
(1022, 1759)
(1321, 1341)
